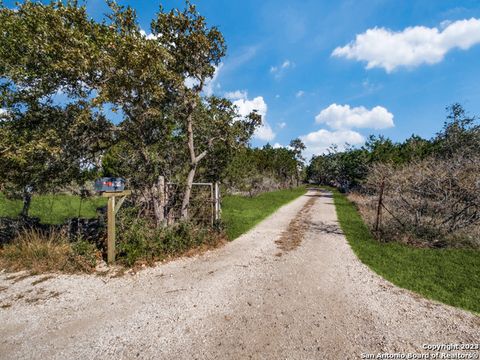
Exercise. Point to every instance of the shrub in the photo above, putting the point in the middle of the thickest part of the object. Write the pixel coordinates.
(433, 200)
(140, 241)
(39, 251)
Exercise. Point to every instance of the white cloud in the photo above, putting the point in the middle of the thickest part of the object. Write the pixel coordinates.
(318, 142)
(212, 83)
(345, 117)
(282, 125)
(235, 95)
(279, 70)
(265, 132)
(371, 87)
(286, 64)
(280, 146)
(258, 104)
(445, 24)
(413, 46)
(3, 115)
(149, 36)
(300, 93)
(190, 82)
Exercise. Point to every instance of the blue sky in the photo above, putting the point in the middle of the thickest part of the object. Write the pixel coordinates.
(335, 71)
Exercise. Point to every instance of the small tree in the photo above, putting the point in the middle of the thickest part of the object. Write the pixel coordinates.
(460, 134)
(298, 147)
(197, 50)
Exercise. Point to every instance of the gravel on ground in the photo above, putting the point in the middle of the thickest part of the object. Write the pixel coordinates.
(262, 296)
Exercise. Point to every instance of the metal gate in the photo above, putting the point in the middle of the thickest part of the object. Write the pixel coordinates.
(204, 207)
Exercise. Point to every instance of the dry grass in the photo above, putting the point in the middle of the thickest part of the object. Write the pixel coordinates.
(366, 206)
(40, 252)
(42, 279)
(469, 237)
(432, 202)
(292, 237)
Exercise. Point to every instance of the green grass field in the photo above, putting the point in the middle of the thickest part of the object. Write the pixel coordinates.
(53, 209)
(451, 276)
(241, 213)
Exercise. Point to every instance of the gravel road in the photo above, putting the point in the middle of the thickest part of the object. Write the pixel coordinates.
(291, 288)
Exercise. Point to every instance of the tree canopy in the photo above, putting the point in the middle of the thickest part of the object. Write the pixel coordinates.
(61, 72)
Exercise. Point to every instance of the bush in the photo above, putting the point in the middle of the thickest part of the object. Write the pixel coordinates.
(139, 241)
(432, 200)
(39, 251)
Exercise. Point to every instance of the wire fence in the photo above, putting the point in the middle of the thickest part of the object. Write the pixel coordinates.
(204, 203)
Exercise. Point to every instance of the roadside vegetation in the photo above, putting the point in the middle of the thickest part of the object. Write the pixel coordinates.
(241, 213)
(54, 209)
(411, 210)
(451, 276)
(58, 134)
(419, 192)
(39, 252)
(138, 242)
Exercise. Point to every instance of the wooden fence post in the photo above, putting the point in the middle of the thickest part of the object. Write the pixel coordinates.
(217, 201)
(111, 230)
(112, 209)
(212, 205)
(379, 207)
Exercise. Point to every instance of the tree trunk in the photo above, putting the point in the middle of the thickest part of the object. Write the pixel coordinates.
(188, 191)
(27, 199)
(158, 200)
(194, 160)
(193, 164)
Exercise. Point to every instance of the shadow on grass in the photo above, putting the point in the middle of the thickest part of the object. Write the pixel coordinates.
(320, 193)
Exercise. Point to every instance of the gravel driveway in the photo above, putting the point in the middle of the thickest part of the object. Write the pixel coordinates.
(266, 295)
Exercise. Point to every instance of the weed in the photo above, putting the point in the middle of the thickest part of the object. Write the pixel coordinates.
(40, 252)
(141, 242)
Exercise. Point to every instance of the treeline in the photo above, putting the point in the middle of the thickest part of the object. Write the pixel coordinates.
(257, 170)
(420, 190)
(61, 76)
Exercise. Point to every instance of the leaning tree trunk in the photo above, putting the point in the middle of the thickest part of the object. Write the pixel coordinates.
(193, 164)
(194, 160)
(188, 191)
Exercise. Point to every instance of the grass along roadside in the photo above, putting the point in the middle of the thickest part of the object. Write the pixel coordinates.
(39, 252)
(451, 276)
(54, 209)
(138, 242)
(240, 213)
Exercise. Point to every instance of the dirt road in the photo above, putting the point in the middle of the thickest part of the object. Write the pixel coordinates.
(263, 296)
